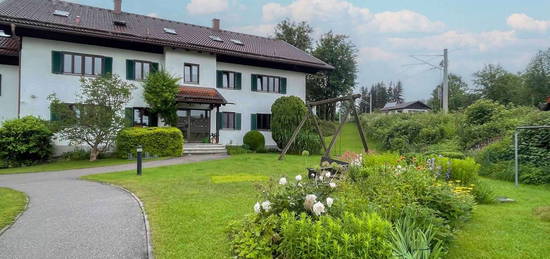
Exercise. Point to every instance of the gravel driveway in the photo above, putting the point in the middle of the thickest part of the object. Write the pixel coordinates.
(71, 218)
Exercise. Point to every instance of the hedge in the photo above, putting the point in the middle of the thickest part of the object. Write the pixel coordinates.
(159, 141)
(255, 140)
(24, 141)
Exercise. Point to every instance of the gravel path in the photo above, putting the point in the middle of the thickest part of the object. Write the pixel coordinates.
(71, 218)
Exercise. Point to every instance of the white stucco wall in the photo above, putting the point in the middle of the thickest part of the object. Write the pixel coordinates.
(8, 96)
(38, 81)
(248, 102)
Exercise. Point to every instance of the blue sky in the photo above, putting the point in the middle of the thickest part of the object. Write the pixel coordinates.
(386, 33)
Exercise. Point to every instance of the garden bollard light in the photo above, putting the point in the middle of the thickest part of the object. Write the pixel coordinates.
(139, 152)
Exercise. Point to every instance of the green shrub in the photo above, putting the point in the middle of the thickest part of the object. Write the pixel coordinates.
(157, 141)
(412, 241)
(483, 111)
(237, 150)
(286, 114)
(255, 140)
(25, 141)
(351, 236)
(255, 236)
(77, 154)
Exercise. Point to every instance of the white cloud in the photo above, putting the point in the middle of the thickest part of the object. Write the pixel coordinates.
(403, 21)
(376, 54)
(520, 21)
(265, 30)
(344, 12)
(482, 41)
(206, 6)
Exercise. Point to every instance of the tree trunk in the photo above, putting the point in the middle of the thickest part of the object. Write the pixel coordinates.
(94, 153)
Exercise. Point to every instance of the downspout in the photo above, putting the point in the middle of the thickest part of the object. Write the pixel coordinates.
(19, 71)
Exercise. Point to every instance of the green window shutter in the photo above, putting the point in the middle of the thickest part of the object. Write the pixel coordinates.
(253, 121)
(238, 81)
(57, 62)
(129, 117)
(218, 120)
(238, 121)
(107, 65)
(219, 79)
(283, 85)
(130, 69)
(254, 83)
(154, 67)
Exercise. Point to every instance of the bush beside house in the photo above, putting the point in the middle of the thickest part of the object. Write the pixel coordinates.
(287, 112)
(255, 140)
(158, 141)
(25, 141)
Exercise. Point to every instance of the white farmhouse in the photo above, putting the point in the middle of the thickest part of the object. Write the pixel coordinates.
(228, 80)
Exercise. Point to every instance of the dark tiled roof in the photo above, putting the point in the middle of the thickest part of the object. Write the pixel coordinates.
(193, 94)
(99, 22)
(9, 46)
(397, 106)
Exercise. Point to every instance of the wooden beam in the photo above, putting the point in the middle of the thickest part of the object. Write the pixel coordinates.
(294, 135)
(316, 122)
(333, 100)
(360, 128)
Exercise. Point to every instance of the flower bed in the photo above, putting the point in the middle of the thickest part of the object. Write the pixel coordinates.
(384, 206)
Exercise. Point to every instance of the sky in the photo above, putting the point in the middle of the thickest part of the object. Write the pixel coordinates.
(387, 33)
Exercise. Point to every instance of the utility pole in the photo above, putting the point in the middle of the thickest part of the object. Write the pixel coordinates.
(445, 100)
(370, 102)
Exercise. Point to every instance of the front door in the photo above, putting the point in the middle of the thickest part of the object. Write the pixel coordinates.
(195, 125)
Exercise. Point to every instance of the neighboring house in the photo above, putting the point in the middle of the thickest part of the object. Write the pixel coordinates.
(229, 80)
(546, 105)
(406, 107)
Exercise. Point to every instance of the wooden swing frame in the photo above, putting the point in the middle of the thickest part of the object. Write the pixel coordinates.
(351, 99)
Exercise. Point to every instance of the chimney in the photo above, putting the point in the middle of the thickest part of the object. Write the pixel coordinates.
(118, 6)
(216, 24)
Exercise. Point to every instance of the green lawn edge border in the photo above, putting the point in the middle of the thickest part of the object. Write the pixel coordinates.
(143, 214)
(27, 201)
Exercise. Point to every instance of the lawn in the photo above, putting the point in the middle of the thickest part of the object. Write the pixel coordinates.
(190, 206)
(506, 230)
(59, 165)
(12, 202)
(350, 140)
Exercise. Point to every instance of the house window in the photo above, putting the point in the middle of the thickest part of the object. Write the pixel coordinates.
(270, 84)
(81, 64)
(191, 73)
(228, 80)
(263, 121)
(228, 120)
(141, 69)
(141, 117)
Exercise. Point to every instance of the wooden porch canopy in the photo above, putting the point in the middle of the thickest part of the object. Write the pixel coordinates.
(200, 95)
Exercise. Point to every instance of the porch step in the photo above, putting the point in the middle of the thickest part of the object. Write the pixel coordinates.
(200, 148)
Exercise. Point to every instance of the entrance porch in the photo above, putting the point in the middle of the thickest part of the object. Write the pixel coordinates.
(195, 107)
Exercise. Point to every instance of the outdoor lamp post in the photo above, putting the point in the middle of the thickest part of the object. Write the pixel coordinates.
(139, 152)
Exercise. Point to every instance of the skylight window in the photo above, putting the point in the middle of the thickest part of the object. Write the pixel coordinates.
(238, 42)
(61, 13)
(170, 31)
(3, 34)
(119, 22)
(216, 38)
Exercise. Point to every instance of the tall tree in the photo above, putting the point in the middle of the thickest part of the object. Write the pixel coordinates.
(98, 114)
(159, 91)
(537, 78)
(397, 93)
(495, 83)
(364, 103)
(380, 95)
(296, 34)
(460, 96)
(338, 51)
